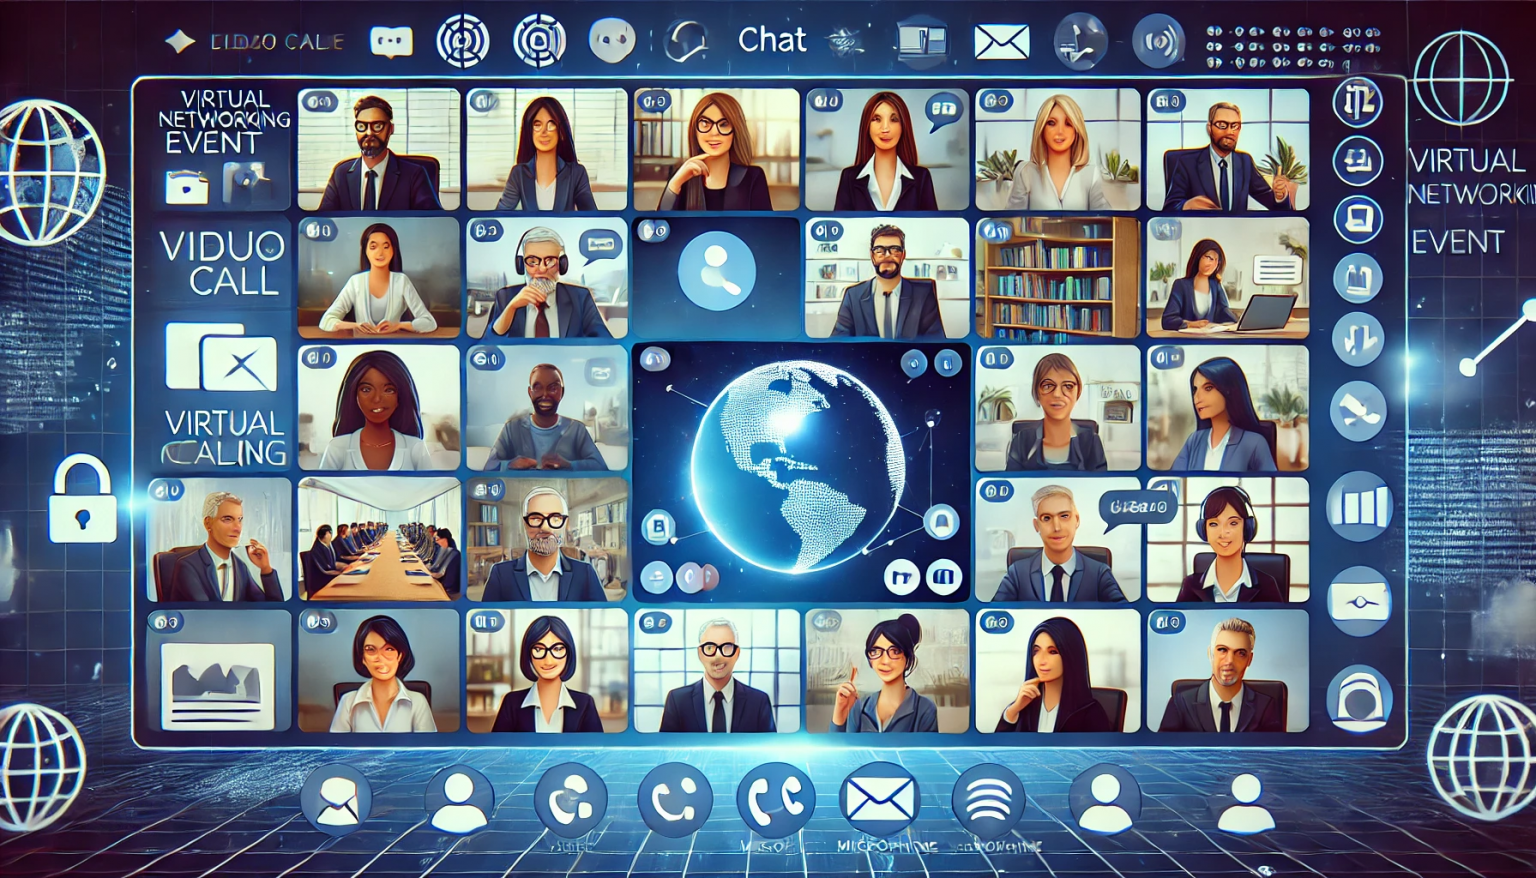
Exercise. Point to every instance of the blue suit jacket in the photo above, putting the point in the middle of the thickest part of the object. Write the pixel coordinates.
(917, 314)
(917, 713)
(1190, 174)
(1246, 452)
(578, 315)
(1091, 582)
(508, 581)
(751, 711)
(1181, 305)
(572, 189)
(406, 186)
(196, 578)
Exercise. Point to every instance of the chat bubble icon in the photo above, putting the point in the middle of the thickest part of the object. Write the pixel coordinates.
(944, 108)
(1158, 506)
(601, 244)
(392, 42)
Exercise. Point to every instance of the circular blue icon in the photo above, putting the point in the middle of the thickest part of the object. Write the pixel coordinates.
(1357, 278)
(988, 801)
(459, 800)
(1359, 506)
(880, 799)
(1158, 40)
(1359, 699)
(570, 800)
(655, 359)
(1357, 160)
(675, 799)
(1357, 102)
(1105, 799)
(776, 800)
(941, 521)
(653, 231)
(947, 363)
(1461, 78)
(1359, 601)
(658, 527)
(914, 363)
(336, 799)
(1081, 41)
(656, 577)
(717, 271)
(690, 577)
(1358, 219)
(1358, 338)
(1359, 411)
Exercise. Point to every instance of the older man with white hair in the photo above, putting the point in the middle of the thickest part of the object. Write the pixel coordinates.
(545, 306)
(221, 569)
(544, 573)
(718, 702)
(1058, 573)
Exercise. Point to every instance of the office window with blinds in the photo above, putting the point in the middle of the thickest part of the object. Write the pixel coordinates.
(598, 132)
(426, 124)
(668, 658)
(1282, 507)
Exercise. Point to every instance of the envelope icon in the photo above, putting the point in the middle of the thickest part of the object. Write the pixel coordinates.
(881, 798)
(1002, 42)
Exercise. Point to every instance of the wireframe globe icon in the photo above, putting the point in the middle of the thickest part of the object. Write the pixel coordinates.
(1461, 78)
(1482, 757)
(42, 766)
(51, 172)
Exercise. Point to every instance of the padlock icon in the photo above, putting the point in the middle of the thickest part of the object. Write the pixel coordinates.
(82, 518)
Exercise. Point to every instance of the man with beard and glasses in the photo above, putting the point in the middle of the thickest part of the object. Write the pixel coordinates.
(545, 306)
(544, 573)
(544, 439)
(378, 179)
(1219, 176)
(889, 305)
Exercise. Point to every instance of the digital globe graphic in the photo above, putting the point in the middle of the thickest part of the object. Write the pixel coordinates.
(42, 766)
(1461, 78)
(797, 466)
(1482, 757)
(51, 172)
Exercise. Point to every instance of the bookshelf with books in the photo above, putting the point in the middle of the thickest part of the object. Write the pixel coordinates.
(1060, 278)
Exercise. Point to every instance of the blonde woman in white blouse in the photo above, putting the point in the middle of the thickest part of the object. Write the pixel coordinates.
(1057, 175)
(374, 301)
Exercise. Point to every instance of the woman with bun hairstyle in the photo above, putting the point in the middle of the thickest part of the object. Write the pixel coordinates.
(885, 175)
(1058, 697)
(891, 649)
(718, 173)
(1228, 524)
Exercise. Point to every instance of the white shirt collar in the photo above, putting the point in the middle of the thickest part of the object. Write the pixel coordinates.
(378, 182)
(1237, 705)
(1216, 160)
(879, 295)
(557, 722)
(728, 693)
(874, 186)
(1214, 454)
(1048, 718)
(551, 311)
(365, 694)
(1228, 596)
(542, 587)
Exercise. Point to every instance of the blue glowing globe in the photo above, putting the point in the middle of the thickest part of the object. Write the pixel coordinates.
(42, 766)
(797, 466)
(51, 172)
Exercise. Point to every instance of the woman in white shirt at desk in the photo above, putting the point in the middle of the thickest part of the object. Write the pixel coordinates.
(1057, 175)
(374, 301)
(378, 418)
(382, 653)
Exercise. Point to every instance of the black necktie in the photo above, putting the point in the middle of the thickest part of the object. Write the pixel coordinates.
(1056, 594)
(1226, 716)
(717, 722)
(1224, 194)
(369, 190)
(890, 330)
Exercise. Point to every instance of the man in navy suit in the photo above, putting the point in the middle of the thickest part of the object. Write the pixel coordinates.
(889, 305)
(718, 703)
(1219, 177)
(1059, 573)
(544, 307)
(544, 573)
(377, 179)
(217, 571)
(1224, 704)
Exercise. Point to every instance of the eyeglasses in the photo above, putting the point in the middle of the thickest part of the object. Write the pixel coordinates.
(895, 652)
(539, 650)
(378, 127)
(1047, 388)
(539, 519)
(705, 123)
(388, 653)
(887, 251)
(1226, 126)
(540, 127)
(541, 261)
(724, 649)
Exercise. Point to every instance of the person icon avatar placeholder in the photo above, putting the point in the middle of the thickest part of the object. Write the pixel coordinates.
(1106, 816)
(340, 795)
(1105, 799)
(458, 817)
(1246, 818)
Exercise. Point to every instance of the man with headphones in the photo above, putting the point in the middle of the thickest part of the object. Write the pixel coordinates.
(1227, 524)
(544, 307)
(544, 438)
(544, 573)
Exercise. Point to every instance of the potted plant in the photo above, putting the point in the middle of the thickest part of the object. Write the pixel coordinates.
(1283, 164)
(1288, 409)
(1161, 274)
(995, 404)
(1121, 179)
(1298, 249)
(996, 169)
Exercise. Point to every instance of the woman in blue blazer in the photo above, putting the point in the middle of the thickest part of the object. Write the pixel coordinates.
(1228, 436)
(1197, 299)
(548, 657)
(547, 175)
(891, 649)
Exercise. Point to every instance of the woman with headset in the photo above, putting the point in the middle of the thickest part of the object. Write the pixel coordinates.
(1227, 524)
(545, 306)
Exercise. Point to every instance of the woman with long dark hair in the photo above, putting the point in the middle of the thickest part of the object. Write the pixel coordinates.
(378, 418)
(374, 301)
(885, 175)
(1197, 299)
(547, 656)
(718, 173)
(381, 654)
(1058, 696)
(1228, 436)
(547, 176)
(891, 650)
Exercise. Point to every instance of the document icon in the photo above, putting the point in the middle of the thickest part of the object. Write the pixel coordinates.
(186, 187)
(1002, 42)
(239, 363)
(880, 799)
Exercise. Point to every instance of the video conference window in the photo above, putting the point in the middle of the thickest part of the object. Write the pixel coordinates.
(1241, 275)
(1027, 528)
(549, 408)
(548, 539)
(366, 277)
(221, 541)
(1053, 149)
(379, 149)
(1069, 408)
(548, 671)
(369, 407)
(1047, 280)
(717, 149)
(1262, 134)
(890, 278)
(900, 150)
(557, 277)
(221, 672)
(717, 670)
(395, 671)
(1228, 408)
(1233, 541)
(1058, 671)
(547, 149)
(1229, 670)
(381, 538)
(886, 671)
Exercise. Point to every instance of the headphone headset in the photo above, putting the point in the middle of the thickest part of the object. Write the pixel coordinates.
(565, 261)
(1250, 521)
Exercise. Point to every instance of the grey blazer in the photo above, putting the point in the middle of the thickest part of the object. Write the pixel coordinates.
(917, 713)
(574, 444)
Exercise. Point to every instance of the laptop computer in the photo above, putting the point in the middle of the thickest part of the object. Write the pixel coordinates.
(1265, 313)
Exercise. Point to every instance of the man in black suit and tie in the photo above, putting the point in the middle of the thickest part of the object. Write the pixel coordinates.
(546, 307)
(1058, 573)
(1219, 177)
(889, 305)
(377, 179)
(1225, 704)
(544, 573)
(718, 703)
(217, 571)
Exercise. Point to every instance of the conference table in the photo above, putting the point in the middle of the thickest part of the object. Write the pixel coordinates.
(386, 572)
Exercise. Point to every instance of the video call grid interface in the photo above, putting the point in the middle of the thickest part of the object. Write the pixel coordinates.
(1053, 307)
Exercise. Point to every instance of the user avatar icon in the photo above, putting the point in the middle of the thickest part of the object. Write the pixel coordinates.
(336, 799)
(1105, 799)
(459, 799)
(717, 271)
(1246, 818)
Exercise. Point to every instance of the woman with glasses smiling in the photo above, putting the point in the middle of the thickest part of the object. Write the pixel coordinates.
(547, 175)
(718, 173)
(548, 658)
(891, 650)
(382, 654)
